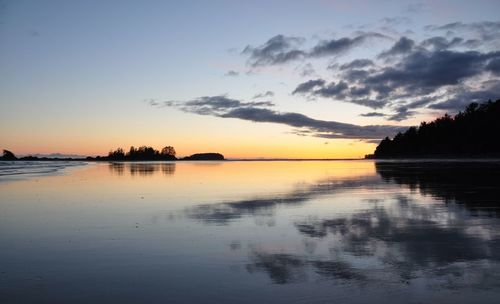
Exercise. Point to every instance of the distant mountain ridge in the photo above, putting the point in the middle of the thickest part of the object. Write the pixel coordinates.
(471, 133)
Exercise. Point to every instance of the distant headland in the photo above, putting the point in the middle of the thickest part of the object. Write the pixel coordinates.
(472, 133)
(143, 153)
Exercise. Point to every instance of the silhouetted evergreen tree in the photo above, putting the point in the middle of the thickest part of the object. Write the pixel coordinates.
(471, 133)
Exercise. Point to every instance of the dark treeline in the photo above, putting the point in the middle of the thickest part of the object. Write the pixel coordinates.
(143, 153)
(148, 153)
(8, 155)
(205, 156)
(471, 133)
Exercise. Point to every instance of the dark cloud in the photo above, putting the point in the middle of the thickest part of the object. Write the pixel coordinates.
(282, 49)
(307, 86)
(224, 107)
(339, 91)
(422, 78)
(418, 103)
(321, 128)
(402, 114)
(306, 70)
(403, 46)
(210, 105)
(332, 90)
(440, 73)
(359, 91)
(279, 49)
(461, 97)
(357, 64)
(355, 75)
(263, 95)
(425, 69)
(494, 66)
(334, 47)
(486, 30)
(231, 73)
(367, 102)
(372, 114)
(441, 43)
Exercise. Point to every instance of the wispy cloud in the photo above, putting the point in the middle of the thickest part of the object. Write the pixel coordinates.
(441, 72)
(282, 49)
(372, 114)
(224, 107)
(438, 72)
(335, 47)
(279, 49)
(263, 95)
(232, 73)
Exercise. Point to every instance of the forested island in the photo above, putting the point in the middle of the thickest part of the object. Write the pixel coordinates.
(472, 133)
(143, 153)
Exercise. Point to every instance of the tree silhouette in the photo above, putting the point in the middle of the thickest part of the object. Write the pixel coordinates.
(168, 150)
(141, 153)
(471, 133)
(7, 155)
(117, 154)
(205, 156)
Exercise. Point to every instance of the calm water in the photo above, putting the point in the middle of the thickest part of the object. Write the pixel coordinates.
(250, 232)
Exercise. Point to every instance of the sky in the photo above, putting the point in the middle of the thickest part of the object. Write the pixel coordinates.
(248, 79)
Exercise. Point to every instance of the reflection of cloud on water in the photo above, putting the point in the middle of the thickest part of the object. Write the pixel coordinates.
(475, 185)
(227, 212)
(414, 241)
(286, 268)
(281, 268)
(394, 242)
(141, 169)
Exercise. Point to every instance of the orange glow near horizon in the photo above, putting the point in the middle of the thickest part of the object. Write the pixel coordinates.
(303, 148)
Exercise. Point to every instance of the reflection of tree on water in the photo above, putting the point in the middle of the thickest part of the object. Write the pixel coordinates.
(142, 169)
(476, 185)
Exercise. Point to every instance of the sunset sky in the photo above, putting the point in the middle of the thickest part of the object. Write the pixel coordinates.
(272, 79)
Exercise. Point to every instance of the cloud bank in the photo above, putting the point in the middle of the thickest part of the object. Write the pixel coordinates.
(224, 107)
(452, 65)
